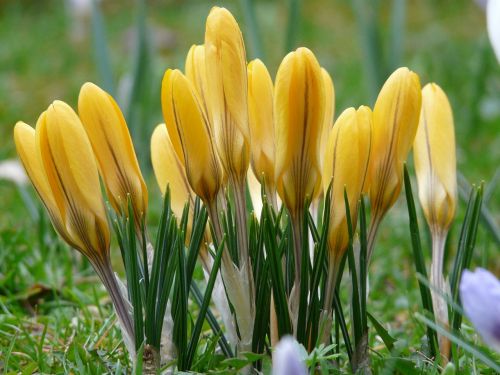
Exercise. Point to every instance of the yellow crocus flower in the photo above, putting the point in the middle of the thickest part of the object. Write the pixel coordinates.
(196, 72)
(299, 108)
(261, 118)
(346, 162)
(169, 170)
(191, 125)
(167, 107)
(435, 167)
(435, 161)
(395, 121)
(329, 109)
(71, 172)
(226, 72)
(24, 138)
(113, 148)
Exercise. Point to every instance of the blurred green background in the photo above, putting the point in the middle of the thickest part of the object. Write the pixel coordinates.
(47, 53)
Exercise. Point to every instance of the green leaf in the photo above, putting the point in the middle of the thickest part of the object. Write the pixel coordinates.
(418, 258)
(382, 332)
(195, 336)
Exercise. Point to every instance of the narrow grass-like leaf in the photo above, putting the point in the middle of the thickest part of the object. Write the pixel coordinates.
(382, 332)
(274, 251)
(339, 317)
(195, 336)
(357, 320)
(304, 280)
(363, 261)
(212, 321)
(464, 255)
(418, 258)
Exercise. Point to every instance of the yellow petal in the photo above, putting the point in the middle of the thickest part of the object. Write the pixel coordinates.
(299, 107)
(365, 127)
(346, 164)
(226, 67)
(24, 137)
(71, 170)
(108, 133)
(196, 72)
(261, 119)
(202, 166)
(329, 109)
(169, 170)
(395, 120)
(435, 160)
(167, 107)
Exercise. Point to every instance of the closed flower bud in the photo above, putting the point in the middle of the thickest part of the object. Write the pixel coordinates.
(346, 161)
(288, 358)
(435, 161)
(169, 170)
(191, 125)
(329, 109)
(261, 118)
(395, 121)
(71, 170)
(299, 109)
(24, 138)
(196, 72)
(226, 71)
(108, 133)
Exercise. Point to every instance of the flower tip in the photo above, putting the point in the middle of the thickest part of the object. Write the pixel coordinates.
(288, 358)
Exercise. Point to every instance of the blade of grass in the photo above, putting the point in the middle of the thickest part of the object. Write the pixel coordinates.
(418, 258)
(195, 336)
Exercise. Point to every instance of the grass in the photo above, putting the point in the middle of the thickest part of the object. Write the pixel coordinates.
(55, 316)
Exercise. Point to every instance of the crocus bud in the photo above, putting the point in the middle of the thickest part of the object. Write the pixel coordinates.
(191, 125)
(329, 110)
(299, 109)
(346, 161)
(71, 171)
(196, 72)
(288, 358)
(435, 161)
(226, 70)
(395, 121)
(480, 296)
(108, 133)
(24, 138)
(260, 111)
(167, 107)
(169, 170)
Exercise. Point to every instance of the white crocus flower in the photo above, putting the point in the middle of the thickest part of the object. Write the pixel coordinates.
(480, 296)
(493, 24)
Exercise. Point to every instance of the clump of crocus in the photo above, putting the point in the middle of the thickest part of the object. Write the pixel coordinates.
(59, 160)
(435, 167)
(395, 121)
